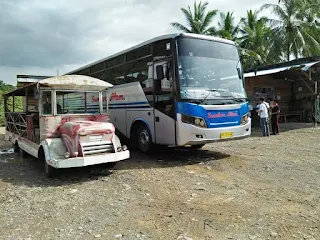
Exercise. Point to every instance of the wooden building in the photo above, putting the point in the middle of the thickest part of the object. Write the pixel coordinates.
(294, 84)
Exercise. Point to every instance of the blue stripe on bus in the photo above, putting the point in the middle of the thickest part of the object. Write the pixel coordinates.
(132, 103)
(118, 107)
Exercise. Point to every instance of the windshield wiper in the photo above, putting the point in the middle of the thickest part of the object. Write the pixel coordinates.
(210, 91)
(235, 99)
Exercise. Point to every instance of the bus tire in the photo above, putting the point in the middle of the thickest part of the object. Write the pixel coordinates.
(49, 170)
(144, 140)
(197, 146)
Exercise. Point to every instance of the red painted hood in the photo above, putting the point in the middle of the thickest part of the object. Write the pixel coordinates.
(86, 127)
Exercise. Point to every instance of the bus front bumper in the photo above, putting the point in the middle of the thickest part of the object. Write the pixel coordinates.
(90, 160)
(188, 134)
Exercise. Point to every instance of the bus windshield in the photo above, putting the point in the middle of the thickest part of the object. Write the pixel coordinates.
(209, 70)
(70, 102)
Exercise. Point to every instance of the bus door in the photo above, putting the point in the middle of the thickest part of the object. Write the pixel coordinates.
(163, 104)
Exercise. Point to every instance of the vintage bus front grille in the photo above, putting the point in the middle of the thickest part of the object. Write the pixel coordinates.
(95, 138)
(92, 148)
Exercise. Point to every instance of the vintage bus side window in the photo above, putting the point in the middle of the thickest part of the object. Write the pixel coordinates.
(46, 103)
(77, 102)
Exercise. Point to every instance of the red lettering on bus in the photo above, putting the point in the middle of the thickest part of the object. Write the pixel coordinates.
(219, 115)
(232, 114)
(216, 115)
(115, 97)
(96, 99)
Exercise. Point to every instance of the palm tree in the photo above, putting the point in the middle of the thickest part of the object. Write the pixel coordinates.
(255, 38)
(227, 28)
(309, 10)
(294, 35)
(199, 20)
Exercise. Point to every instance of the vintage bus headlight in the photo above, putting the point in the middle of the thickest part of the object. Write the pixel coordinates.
(67, 155)
(244, 119)
(124, 148)
(197, 121)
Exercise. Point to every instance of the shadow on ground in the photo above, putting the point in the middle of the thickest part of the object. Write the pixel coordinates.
(30, 171)
(284, 127)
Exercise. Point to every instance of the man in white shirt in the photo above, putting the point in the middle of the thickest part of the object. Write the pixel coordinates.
(263, 111)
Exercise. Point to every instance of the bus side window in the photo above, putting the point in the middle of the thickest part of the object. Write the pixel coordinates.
(46, 103)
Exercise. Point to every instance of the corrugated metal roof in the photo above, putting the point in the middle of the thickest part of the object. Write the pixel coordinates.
(303, 67)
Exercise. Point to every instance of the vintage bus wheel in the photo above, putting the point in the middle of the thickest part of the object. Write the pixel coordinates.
(16, 148)
(50, 171)
(144, 139)
(197, 146)
(23, 153)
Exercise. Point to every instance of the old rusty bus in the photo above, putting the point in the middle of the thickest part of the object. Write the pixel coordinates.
(64, 123)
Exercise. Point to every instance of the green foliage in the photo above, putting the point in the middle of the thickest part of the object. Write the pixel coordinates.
(5, 88)
(199, 19)
(293, 33)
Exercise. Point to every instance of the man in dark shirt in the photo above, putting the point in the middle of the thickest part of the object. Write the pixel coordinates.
(275, 112)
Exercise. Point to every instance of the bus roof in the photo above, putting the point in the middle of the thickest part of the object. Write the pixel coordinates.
(70, 82)
(162, 37)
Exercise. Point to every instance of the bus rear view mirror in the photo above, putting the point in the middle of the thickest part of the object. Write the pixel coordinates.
(160, 73)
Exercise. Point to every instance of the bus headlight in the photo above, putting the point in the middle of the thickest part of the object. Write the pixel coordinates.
(244, 119)
(197, 121)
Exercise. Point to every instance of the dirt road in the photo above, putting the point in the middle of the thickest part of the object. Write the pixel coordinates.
(257, 188)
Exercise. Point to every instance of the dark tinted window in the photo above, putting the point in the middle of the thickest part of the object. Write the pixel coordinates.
(162, 48)
(204, 48)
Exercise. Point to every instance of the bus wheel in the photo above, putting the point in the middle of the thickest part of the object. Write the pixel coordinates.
(144, 139)
(49, 170)
(197, 146)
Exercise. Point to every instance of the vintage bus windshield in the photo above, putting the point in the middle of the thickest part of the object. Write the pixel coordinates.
(209, 69)
(71, 102)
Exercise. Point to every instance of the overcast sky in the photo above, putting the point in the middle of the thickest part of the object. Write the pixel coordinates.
(38, 37)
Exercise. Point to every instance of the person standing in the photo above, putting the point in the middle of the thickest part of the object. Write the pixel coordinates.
(264, 117)
(275, 113)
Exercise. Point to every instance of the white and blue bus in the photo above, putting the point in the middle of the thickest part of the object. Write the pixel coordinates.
(176, 90)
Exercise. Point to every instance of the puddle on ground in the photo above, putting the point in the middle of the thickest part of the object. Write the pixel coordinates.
(6, 151)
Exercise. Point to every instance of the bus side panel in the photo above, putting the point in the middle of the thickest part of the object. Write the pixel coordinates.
(144, 115)
(118, 119)
(28, 146)
(127, 103)
(165, 129)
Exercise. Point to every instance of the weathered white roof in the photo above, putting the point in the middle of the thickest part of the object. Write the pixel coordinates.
(75, 82)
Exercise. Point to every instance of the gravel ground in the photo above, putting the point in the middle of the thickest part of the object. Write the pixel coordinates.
(256, 188)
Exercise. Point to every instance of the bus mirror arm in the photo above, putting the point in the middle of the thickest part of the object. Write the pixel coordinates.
(160, 73)
(239, 73)
(168, 71)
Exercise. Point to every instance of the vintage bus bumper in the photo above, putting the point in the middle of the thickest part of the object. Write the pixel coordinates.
(90, 160)
(188, 134)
